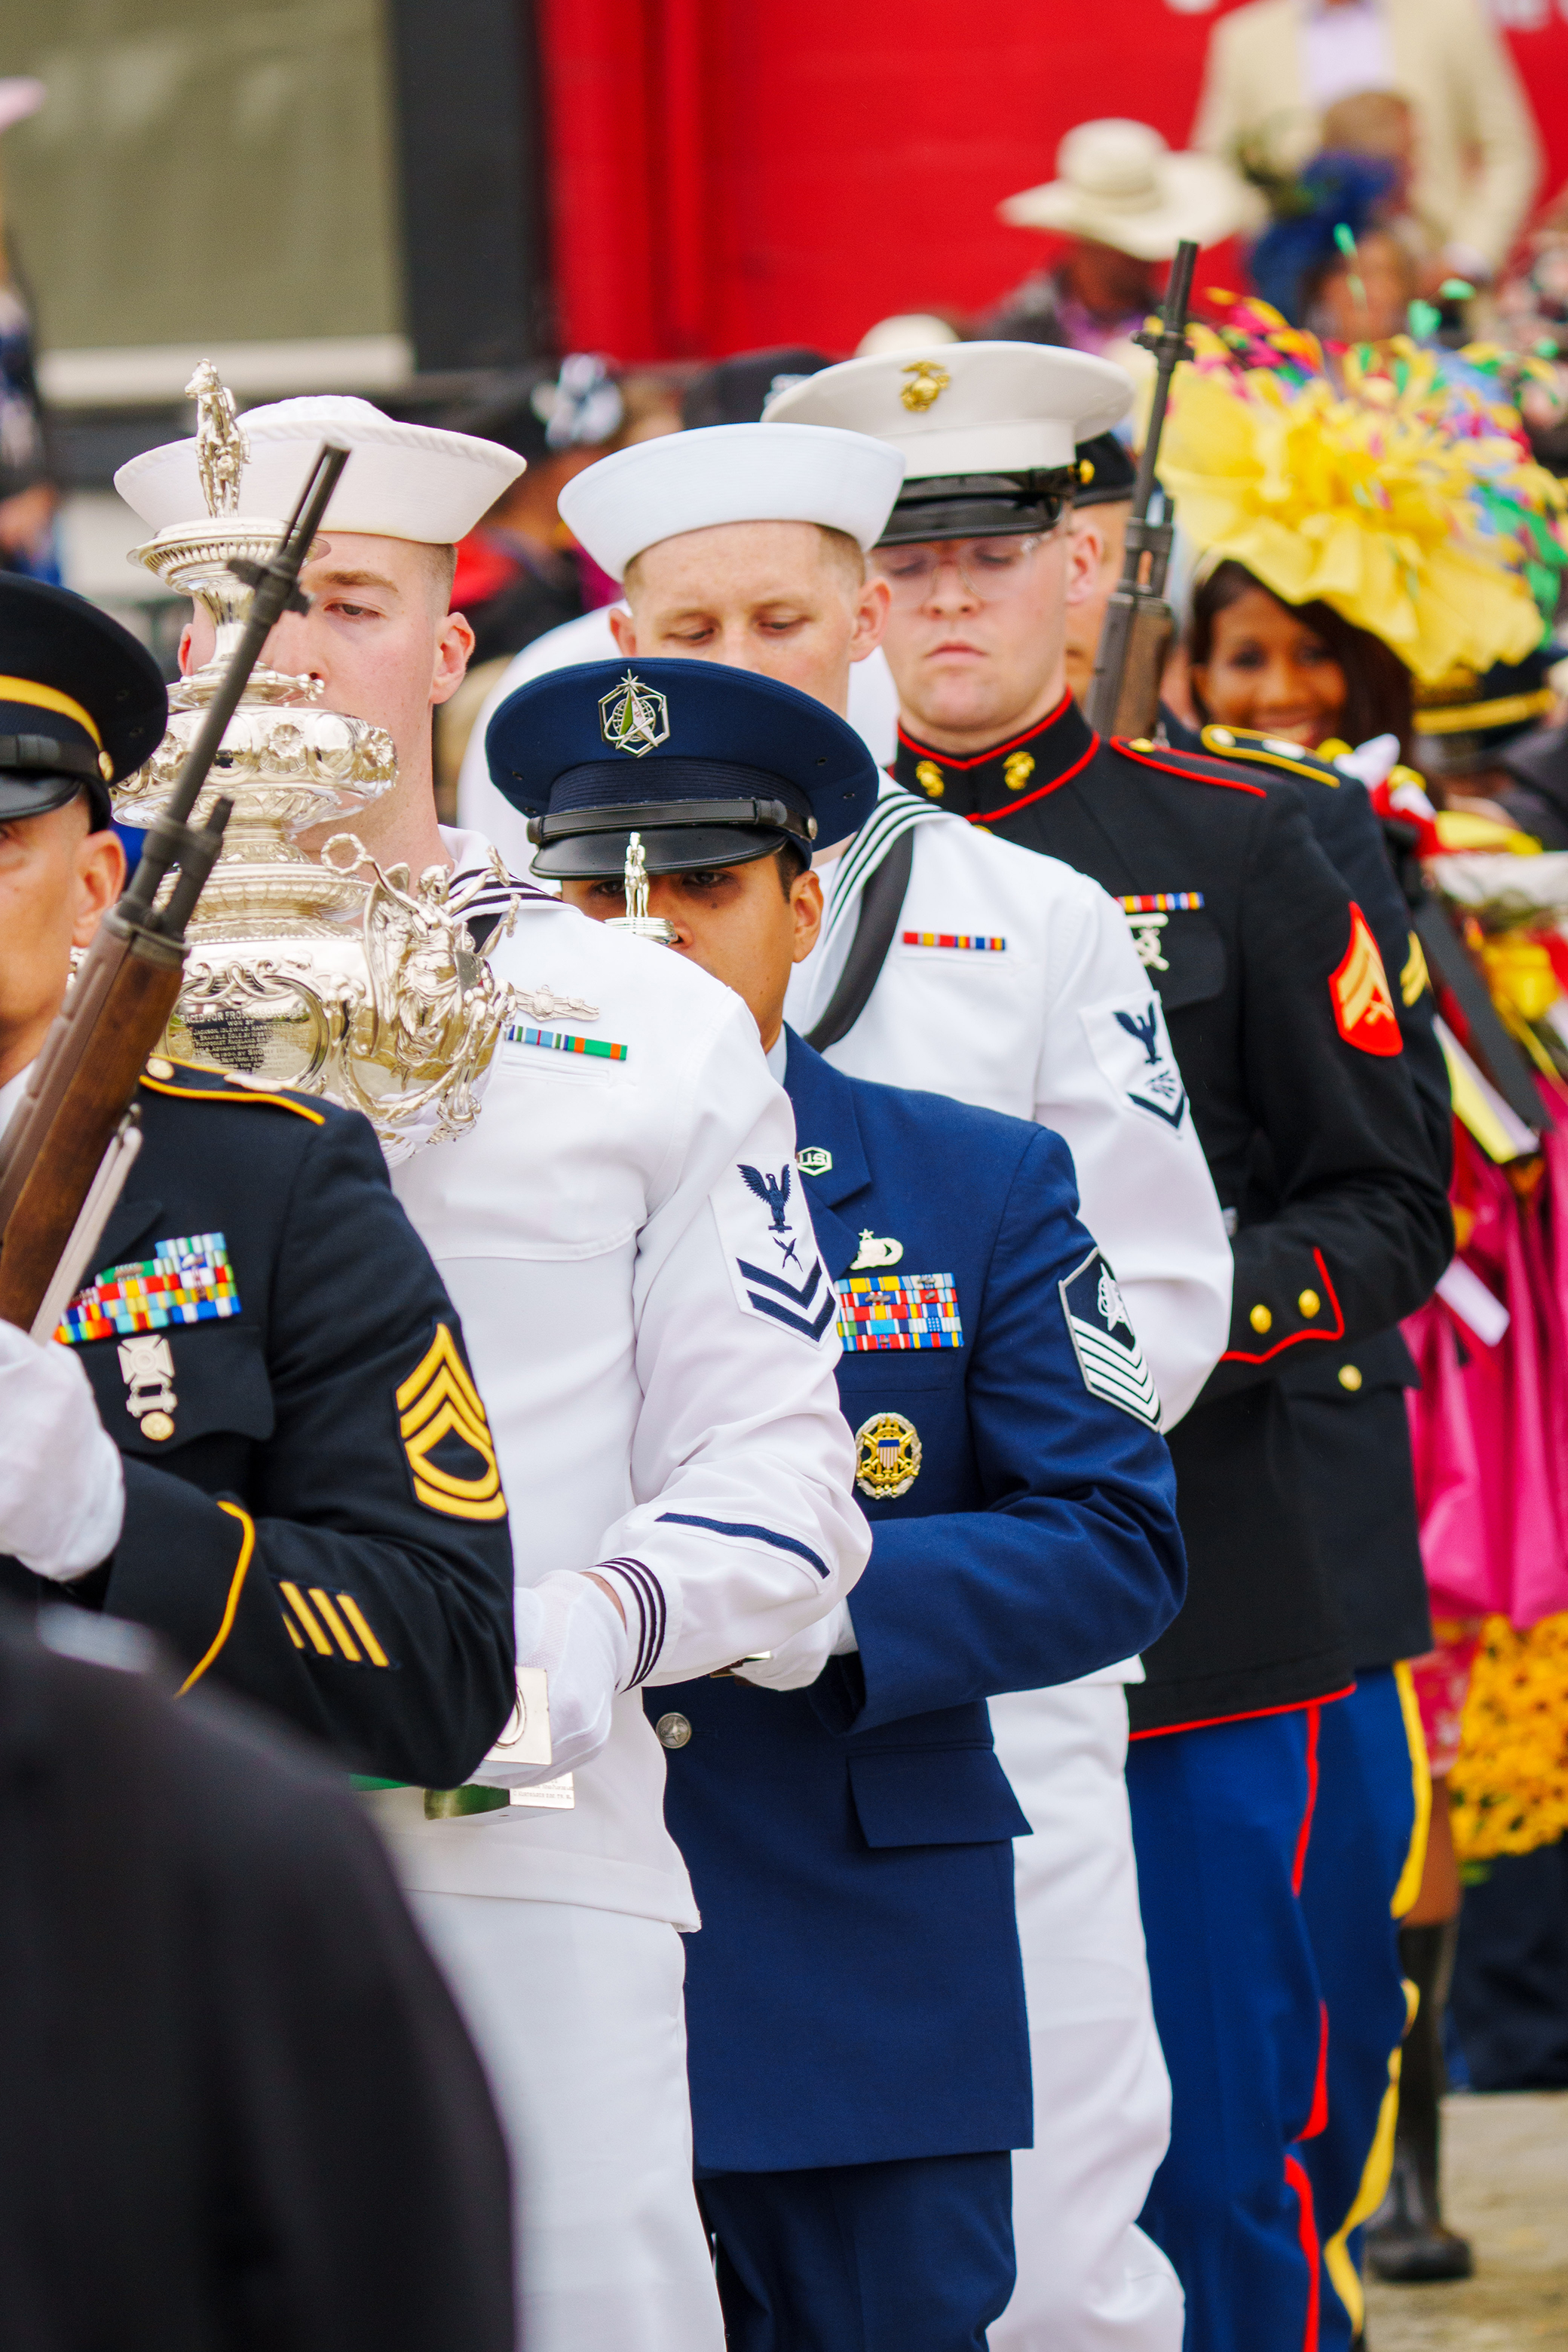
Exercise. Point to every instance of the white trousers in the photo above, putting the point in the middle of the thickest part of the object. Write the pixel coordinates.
(578, 2016)
(1089, 2279)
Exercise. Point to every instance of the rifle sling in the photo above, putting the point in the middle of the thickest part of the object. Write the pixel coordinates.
(1506, 1064)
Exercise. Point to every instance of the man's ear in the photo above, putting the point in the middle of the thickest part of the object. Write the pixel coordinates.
(1085, 554)
(453, 651)
(805, 898)
(624, 629)
(100, 879)
(871, 608)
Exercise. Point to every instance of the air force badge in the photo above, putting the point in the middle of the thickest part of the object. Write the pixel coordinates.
(1104, 1341)
(1130, 1044)
(634, 718)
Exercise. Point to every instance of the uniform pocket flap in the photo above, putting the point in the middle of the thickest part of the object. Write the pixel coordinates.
(158, 1391)
(934, 1796)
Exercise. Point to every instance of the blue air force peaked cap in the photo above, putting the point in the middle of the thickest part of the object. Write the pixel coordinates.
(82, 703)
(712, 766)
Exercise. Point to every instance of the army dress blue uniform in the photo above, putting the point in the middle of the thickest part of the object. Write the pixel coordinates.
(313, 1514)
(858, 2045)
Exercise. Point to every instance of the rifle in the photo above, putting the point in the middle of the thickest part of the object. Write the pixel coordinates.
(71, 1145)
(1124, 696)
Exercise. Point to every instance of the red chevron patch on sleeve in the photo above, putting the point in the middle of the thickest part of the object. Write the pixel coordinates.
(1359, 990)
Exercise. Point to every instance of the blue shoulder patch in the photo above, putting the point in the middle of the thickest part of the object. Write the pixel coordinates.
(1104, 1341)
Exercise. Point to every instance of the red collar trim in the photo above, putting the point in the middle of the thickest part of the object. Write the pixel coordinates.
(1147, 760)
(994, 816)
(996, 751)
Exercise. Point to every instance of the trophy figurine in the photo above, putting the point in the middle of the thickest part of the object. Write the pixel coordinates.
(636, 919)
(333, 977)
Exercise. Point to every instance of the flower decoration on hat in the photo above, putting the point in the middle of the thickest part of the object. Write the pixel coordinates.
(1397, 490)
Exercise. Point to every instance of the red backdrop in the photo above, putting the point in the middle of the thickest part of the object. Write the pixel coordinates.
(725, 173)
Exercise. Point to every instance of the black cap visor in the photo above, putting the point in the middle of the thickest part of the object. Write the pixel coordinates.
(979, 506)
(666, 849)
(35, 795)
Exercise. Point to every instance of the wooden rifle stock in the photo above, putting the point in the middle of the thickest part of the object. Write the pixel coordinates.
(70, 1144)
(1123, 698)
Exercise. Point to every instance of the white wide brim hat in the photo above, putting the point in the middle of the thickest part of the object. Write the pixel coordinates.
(20, 95)
(965, 408)
(1120, 184)
(730, 473)
(402, 481)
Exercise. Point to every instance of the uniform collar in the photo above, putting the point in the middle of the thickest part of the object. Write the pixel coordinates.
(826, 1122)
(989, 785)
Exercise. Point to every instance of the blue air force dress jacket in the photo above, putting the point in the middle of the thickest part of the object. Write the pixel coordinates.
(856, 1993)
(1283, 1026)
(313, 1514)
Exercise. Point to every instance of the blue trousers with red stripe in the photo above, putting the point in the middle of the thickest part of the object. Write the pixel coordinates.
(1221, 1821)
(1362, 1827)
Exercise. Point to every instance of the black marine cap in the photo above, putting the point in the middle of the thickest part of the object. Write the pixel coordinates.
(737, 391)
(1114, 474)
(81, 701)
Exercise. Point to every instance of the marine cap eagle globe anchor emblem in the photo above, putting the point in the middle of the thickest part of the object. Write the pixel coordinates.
(927, 380)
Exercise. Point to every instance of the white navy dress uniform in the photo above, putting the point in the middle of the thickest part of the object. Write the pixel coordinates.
(652, 1428)
(1011, 982)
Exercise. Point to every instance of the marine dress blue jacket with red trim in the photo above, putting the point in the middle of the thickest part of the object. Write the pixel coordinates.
(1284, 1026)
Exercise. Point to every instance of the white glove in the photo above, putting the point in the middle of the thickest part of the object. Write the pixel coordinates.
(62, 1491)
(797, 1662)
(568, 1625)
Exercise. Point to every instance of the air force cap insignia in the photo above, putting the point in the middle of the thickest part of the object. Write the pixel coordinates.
(1104, 1341)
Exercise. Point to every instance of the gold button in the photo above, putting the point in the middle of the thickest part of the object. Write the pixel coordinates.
(158, 1069)
(1016, 770)
(1260, 1319)
(672, 1731)
(1308, 1302)
(1349, 1377)
(929, 778)
(157, 1426)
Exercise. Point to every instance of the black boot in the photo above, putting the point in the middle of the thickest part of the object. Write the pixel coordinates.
(1406, 2240)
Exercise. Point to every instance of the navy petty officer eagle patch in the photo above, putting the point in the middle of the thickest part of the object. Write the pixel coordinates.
(771, 1252)
(1104, 1341)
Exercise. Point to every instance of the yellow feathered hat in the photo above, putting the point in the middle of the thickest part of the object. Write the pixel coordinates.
(1401, 496)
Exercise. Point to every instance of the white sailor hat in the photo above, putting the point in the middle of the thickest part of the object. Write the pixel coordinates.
(402, 481)
(730, 473)
(988, 432)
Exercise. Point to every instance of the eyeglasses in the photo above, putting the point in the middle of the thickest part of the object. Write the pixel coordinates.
(990, 570)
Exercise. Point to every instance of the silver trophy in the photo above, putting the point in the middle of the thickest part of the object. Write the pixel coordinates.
(636, 919)
(334, 977)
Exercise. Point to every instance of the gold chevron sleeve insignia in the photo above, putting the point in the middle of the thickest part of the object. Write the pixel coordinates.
(436, 1402)
(1414, 978)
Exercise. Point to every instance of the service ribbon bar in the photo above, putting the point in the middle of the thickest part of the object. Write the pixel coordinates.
(898, 1310)
(1162, 902)
(555, 1041)
(188, 1280)
(970, 940)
